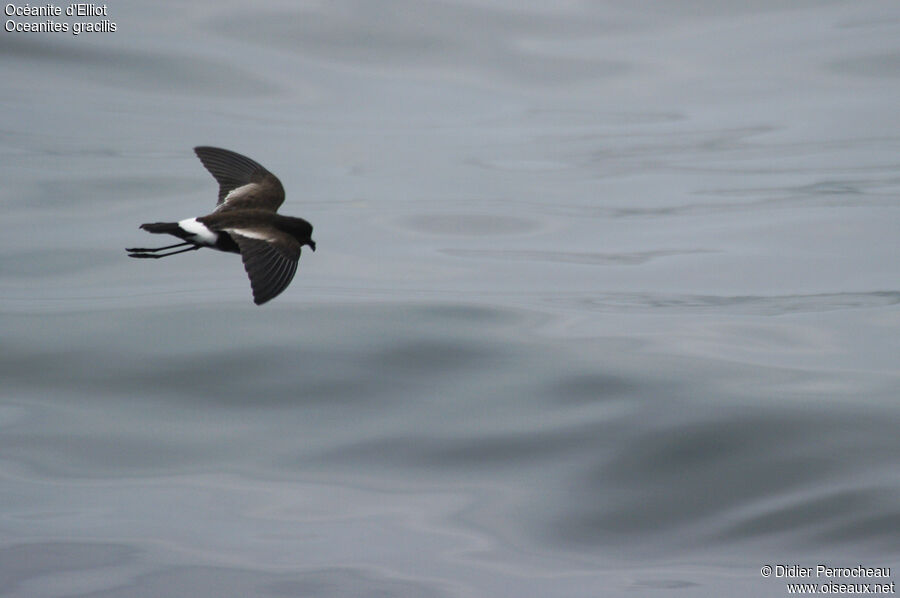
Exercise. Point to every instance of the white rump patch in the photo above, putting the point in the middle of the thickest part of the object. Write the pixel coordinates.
(199, 231)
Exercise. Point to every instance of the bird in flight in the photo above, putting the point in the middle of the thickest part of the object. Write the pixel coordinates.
(245, 221)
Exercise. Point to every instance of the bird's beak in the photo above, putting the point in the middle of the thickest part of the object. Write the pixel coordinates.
(312, 244)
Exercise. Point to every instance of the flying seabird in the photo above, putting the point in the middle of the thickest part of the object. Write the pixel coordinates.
(245, 221)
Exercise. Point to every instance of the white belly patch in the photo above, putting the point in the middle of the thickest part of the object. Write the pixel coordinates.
(200, 233)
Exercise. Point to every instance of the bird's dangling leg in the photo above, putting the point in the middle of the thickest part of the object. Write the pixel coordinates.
(155, 249)
(159, 255)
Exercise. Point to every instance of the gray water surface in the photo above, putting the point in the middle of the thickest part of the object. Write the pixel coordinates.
(605, 301)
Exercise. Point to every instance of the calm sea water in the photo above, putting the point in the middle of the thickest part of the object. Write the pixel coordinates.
(605, 301)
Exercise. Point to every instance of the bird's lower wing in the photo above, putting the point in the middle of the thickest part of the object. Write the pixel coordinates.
(270, 263)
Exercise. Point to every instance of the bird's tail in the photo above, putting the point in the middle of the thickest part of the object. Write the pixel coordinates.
(170, 228)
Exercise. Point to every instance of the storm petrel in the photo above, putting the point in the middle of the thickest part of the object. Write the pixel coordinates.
(245, 221)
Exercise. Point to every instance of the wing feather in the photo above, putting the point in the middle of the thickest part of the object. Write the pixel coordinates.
(243, 183)
(270, 259)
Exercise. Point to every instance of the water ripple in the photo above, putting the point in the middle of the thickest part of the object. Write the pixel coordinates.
(147, 71)
(572, 257)
(764, 305)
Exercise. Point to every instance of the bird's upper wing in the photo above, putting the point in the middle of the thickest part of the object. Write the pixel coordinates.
(270, 259)
(243, 183)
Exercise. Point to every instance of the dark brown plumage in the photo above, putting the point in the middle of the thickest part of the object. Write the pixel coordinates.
(245, 221)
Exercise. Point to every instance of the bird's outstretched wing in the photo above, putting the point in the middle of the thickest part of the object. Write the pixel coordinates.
(270, 259)
(243, 183)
